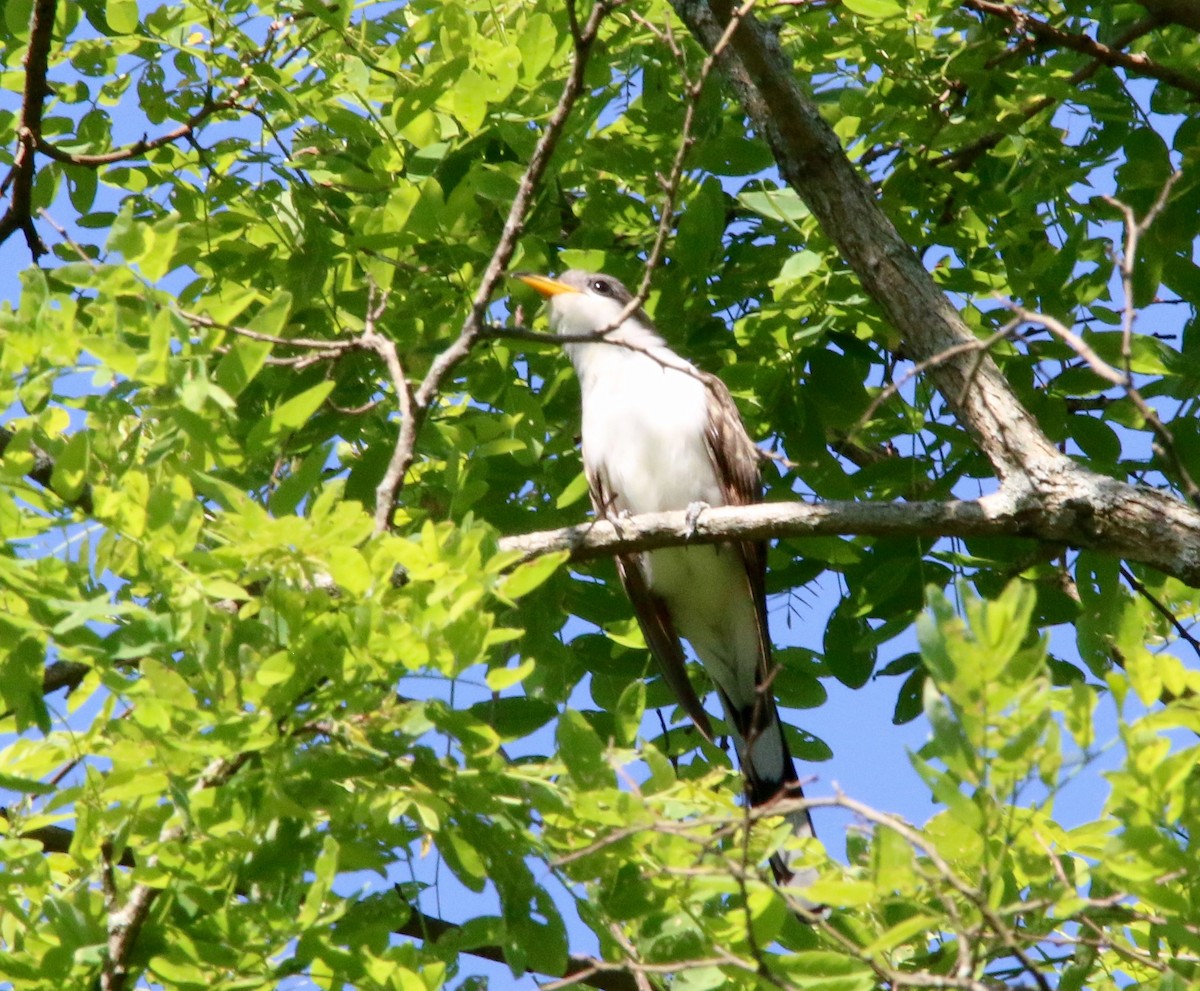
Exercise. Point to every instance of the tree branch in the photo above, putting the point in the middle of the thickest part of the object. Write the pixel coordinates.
(582, 969)
(139, 148)
(473, 326)
(1138, 64)
(1044, 494)
(19, 215)
(1089, 511)
(812, 161)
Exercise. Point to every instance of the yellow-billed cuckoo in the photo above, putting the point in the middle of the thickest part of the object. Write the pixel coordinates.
(659, 435)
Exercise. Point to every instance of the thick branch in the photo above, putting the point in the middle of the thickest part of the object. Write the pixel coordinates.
(19, 215)
(1044, 494)
(1086, 511)
(1186, 13)
(812, 161)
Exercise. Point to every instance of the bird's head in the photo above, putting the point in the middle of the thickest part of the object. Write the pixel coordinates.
(583, 302)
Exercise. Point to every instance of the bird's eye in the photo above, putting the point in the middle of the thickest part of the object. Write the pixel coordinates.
(601, 287)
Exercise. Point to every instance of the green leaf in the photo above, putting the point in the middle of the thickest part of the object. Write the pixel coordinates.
(575, 491)
(700, 229)
(825, 970)
(776, 204)
(27, 786)
(627, 716)
(294, 413)
(849, 652)
(526, 577)
(582, 751)
(290, 415)
(16, 17)
(241, 363)
(498, 679)
(875, 9)
(70, 475)
(122, 15)
(468, 100)
(537, 45)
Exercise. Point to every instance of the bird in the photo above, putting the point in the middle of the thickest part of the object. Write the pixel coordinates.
(659, 434)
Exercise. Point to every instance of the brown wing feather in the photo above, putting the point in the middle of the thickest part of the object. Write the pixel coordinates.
(735, 462)
(652, 615)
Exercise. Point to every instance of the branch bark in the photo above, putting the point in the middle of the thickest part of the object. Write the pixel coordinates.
(19, 215)
(1087, 510)
(1136, 63)
(144, 145)
(1044, 494)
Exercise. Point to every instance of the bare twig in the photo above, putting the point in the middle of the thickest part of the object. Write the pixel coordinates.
(473, 326)
(1076, 343)
(315, 343)
(981, 345)
(386, 349)
(1161, 609)
(125, 921)
(1134, 229)
(139, 148)
(1138, 64)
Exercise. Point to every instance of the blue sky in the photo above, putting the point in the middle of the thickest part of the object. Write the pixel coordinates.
(870, 762)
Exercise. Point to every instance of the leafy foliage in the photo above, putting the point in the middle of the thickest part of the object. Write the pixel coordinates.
(270, 700)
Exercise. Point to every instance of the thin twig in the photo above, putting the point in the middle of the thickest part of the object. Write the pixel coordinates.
(1137, 63)
(472, 329)
(1161, 609)
(666, 216)
(982, 345)
(1134, 229)
(386, 349)
(1075, 343)
(139, 148)
(199, 320)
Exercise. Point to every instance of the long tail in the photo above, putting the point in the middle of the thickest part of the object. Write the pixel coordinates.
(768, 769)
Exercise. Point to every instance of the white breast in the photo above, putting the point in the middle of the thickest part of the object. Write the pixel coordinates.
(644, 428)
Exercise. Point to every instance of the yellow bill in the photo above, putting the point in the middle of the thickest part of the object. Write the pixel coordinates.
(543, 285)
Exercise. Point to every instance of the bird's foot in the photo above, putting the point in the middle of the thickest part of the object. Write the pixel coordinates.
(617, 518)
(692, 519)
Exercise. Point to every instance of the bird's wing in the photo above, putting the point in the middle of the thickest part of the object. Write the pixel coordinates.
(735, 463)
(651, 610)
